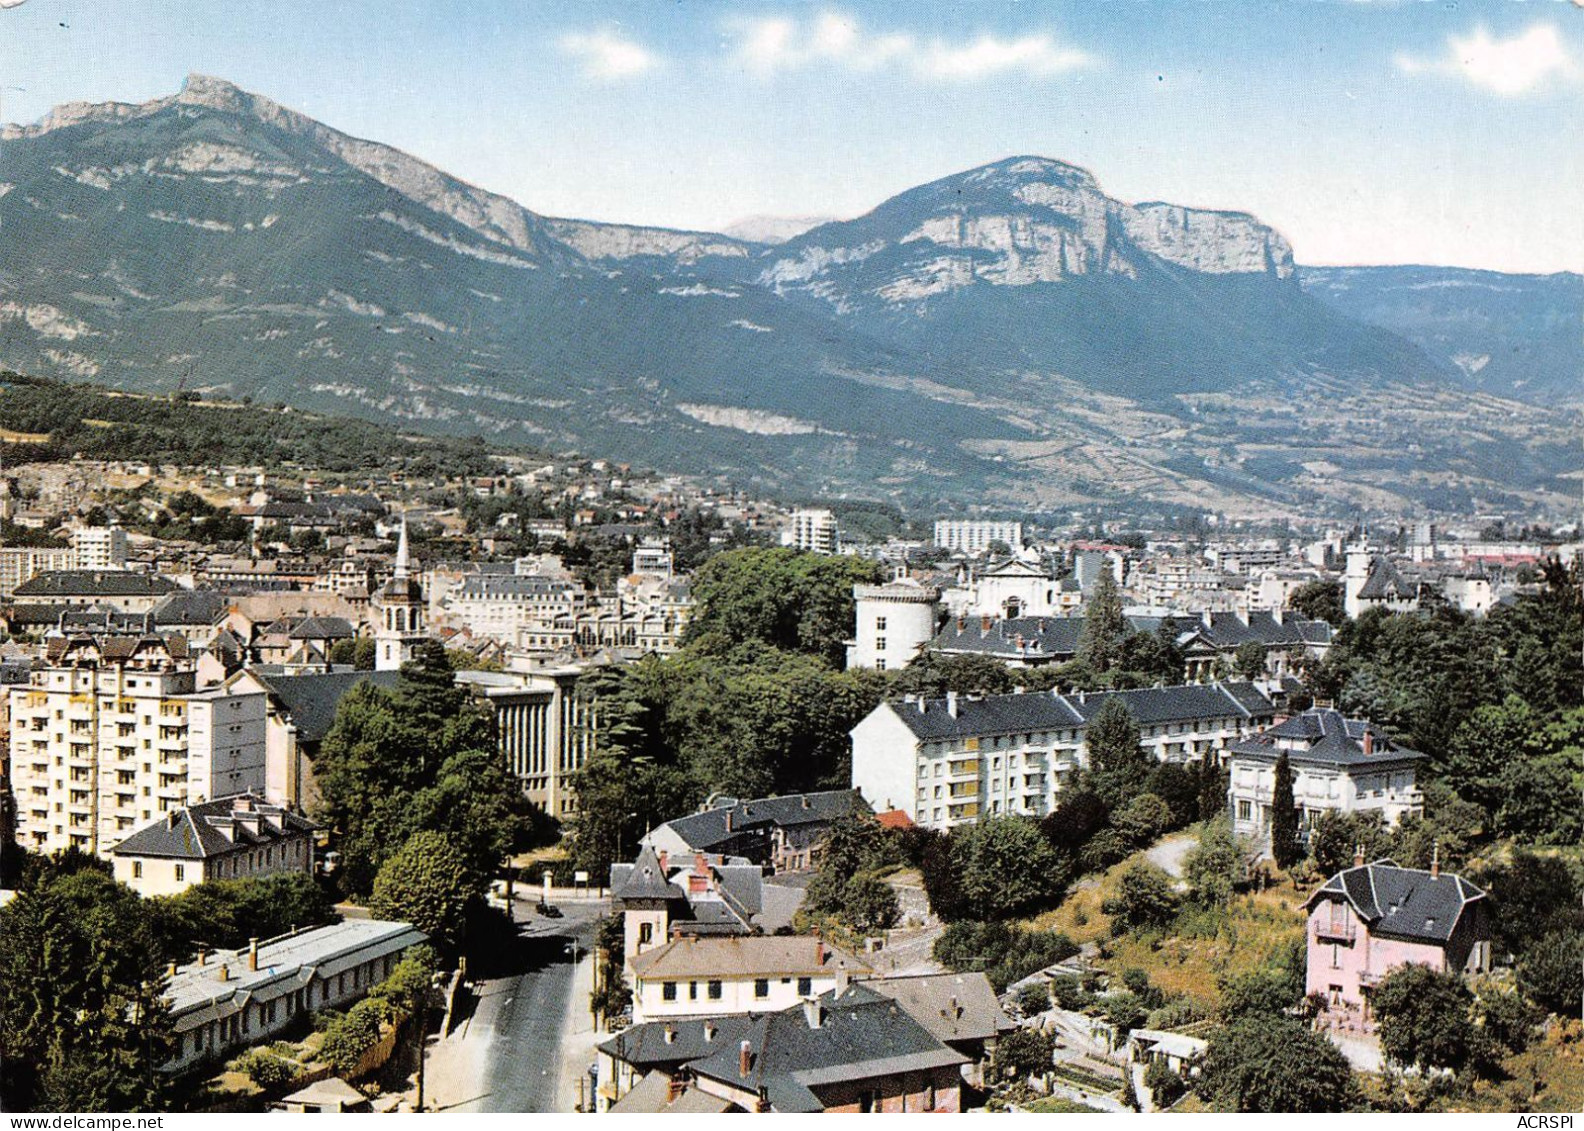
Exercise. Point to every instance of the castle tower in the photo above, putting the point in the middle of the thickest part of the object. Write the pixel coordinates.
(400, 604)
(894, 621)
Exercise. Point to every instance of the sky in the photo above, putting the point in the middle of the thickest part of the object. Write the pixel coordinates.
(1366, 131)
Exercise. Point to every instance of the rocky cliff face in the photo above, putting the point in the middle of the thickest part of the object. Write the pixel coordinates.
(1017, 223)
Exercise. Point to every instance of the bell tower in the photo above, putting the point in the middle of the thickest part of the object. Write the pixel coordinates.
(400, 604)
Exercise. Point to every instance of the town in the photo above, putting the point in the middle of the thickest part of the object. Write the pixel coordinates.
(449, 778)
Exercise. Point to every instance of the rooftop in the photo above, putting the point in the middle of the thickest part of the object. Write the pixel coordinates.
(215, 828)
(1406, 903)
(744, 957)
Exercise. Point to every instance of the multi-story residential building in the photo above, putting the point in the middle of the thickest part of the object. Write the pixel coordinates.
(100, 547)
(1338, 764)
(526, 613)
(652, 558)
(812, 530)
(894, 622)
(114, 589)
(975, 536)
(23, 563)
(102, 740)
(947, 762)
(230, 1000)
(696, 976)
(229, 838)
(1373, 918)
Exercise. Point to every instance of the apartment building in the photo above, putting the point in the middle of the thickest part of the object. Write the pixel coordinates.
(103, 740)
(947, 762)
(100, 547)
(974, 536)
(544, 727)
(812, 530)
(23, 563)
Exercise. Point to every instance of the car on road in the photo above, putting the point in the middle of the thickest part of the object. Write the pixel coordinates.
(548, 910)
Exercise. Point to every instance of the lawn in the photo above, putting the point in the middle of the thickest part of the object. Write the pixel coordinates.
(1255, 931)
(1060, 1105)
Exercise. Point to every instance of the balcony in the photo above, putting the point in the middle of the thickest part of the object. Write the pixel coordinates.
(1343, 933)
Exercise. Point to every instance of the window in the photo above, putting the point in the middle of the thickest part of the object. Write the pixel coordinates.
(880, 665)
(761, 987)
(645, 933)
(668, 991)
(715, 989)
(880, 624)
(137, 869)
(181, 872)
(805, 987)
(1245, 810)
(692, 991)
(880, 644)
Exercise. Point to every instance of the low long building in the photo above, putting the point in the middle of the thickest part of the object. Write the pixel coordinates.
(693, 977)
(949, 761)
(229, 1000)
(230, 838)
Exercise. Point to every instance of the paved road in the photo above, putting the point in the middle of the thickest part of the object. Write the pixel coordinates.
(504, 1052)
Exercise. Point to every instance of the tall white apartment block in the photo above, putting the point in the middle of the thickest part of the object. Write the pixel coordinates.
(100, 547)
(23, 563)
(812, 530)
(973, 536)
(111, 734)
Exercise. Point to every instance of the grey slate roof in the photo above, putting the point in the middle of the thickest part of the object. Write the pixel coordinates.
(931, 720)
(862, 1035)
(192, 607)
(713, 828)
(322, 628)
(215, 828)
(1384, 582)
(95, 583)
(1056, 639)
(1324, 736)
(643, 879)
(311, 700)
(1405, 903)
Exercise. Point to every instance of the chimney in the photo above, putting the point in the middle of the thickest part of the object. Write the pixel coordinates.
(170, 971)
(812, 1013)
(202, 955)
(745, 1059)
(670, 1034)
(807, 804)
(709, 1031)
(674, 1089)
(922, 705)
(1358, 856)
(225, 972)
(699, 864)
(962, 623)
(1369, 741)
(841, 980)
(252, 954)
(951, 704)
(819, 949)
(984, 626)
(665, 858)
(1435, 861)
(728, 820)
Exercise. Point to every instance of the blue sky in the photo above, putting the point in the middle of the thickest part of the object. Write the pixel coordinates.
(1367, 132)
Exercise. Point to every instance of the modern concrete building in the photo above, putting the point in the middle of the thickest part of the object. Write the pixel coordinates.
(975, 536)
(812, 530)
(100, 547)
(947, 762)
(545, 729)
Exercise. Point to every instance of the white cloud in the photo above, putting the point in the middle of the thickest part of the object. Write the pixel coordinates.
(607, 56)
(1516, 65)
(776, 43)
(12, 3)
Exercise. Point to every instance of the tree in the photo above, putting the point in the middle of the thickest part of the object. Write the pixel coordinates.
(1178, 786)
(1142, 820)
(1213, 785)
(1104, 627)
(1033, 999)
(1166, 1087)
(1006, 868)
(1079, 815)
(869, 904)
(1119, 767)
(845, 886)
(83, 1023)
(1320, 600)
(227, 913)
(1144, 899)
(1267, 992)
(1549, 972)
(1214, 866)
(357, 652)
(1538, 896)
(1424, 1017)
(1023, 1053)
(933, 674)
(1249, 659)
(1274, 1064)
(1335, 836)
(1285, 849)
(426, 883)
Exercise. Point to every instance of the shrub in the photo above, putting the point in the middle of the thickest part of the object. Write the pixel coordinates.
(266, 1069)
(1144, 899)
(1166, 1087)
(1033, 998)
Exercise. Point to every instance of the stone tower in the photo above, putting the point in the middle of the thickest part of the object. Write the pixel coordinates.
(400, 603)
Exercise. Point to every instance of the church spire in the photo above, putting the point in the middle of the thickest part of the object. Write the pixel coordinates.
(402, 556)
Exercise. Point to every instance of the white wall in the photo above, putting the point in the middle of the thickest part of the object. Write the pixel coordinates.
(885, 761)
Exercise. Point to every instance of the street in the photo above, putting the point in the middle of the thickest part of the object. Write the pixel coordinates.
(516, 1041)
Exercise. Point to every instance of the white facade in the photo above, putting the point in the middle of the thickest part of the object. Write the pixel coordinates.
(894, 621)
(1019, 588)
(1389, 791)
(400, 628)
(100, 747)
(23, 563)
(100, 547)
(700, 977)
(812, 530)
(974, 536)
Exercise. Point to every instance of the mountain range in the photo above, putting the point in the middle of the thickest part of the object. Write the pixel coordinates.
(1009, 335)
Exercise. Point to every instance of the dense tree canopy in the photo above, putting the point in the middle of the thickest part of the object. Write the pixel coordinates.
(427, 883)
(1119, 766)
(1274, 1064)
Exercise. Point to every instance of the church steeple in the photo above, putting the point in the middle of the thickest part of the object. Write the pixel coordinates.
(400, 604)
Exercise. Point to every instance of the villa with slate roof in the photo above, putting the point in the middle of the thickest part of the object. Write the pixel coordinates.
(783, 832)
(661, 898)
(1372, 918)
(1339, 765)
(1373, 582)
(946, 762)
(229, 838)
(851, 1049)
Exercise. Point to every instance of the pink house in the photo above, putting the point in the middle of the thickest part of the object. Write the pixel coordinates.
(1371, 918)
